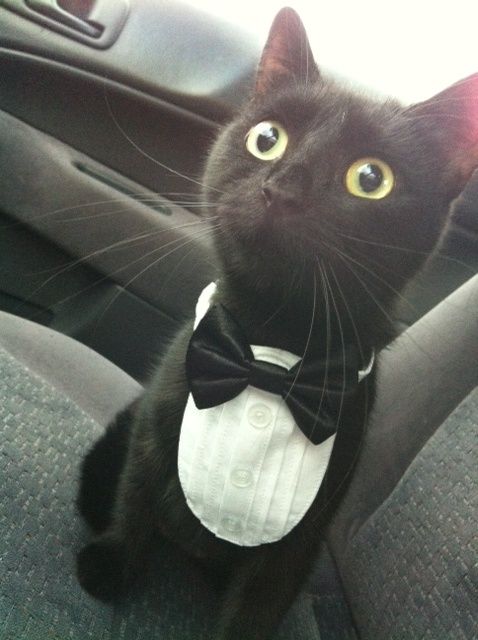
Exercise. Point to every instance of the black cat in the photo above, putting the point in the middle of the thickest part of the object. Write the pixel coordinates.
(327, 204)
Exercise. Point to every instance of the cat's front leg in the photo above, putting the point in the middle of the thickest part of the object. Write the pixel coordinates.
(109, 565)
(112, 562)
(264, 588)
(102, 568)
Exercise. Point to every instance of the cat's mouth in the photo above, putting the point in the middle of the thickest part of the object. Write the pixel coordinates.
(288, 232)
(279, 204)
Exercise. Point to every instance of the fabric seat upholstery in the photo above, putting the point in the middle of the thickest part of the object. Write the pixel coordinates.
(411, 570)
(56, 396)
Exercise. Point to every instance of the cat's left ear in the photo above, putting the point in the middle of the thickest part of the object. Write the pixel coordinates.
(287, 56)
(452, 120)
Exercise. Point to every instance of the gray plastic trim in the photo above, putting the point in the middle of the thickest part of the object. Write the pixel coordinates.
(100, 30)
(164, 259)
(166, 48)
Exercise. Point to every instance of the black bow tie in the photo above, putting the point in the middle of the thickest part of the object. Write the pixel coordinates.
(220, 364)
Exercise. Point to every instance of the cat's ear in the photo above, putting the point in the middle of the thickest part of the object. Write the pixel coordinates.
(452, 120)
(287, 56)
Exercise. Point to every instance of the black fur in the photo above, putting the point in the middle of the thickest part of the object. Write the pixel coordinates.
(317, 269)
(101, 570)
(100, 472)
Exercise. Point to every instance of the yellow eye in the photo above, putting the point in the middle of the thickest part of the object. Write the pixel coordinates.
(267, 140)
(369, 178)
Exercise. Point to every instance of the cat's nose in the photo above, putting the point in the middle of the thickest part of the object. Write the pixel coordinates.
(280, 200)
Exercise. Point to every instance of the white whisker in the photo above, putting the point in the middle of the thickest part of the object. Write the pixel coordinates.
(147, 155)
(312, 321)
(198, 236)
(119, 245)
(408, 250)
(342, 340)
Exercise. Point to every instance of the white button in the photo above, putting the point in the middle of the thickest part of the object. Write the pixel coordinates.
(232, 524)
(241, 477)
(259, 416)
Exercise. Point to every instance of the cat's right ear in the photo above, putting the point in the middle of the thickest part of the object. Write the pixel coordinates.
(452, 120)
(287, 56)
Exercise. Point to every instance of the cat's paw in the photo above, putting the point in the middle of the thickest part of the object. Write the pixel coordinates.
(101, 570)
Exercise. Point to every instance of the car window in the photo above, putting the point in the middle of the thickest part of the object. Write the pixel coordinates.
(409, 49)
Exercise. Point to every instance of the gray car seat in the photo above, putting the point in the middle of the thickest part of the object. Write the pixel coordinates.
(400, 558)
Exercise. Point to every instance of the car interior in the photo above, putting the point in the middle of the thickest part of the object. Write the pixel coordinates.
(107, 111)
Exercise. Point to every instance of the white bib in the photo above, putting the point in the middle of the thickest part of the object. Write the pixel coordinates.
(247, 471)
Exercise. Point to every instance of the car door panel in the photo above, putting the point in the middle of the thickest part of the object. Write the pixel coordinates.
(101, 153)
(84, 137)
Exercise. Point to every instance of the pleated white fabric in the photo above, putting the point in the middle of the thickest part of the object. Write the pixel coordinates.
(247, 471)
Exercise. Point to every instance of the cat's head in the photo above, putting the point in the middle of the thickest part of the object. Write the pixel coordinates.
(311, 172)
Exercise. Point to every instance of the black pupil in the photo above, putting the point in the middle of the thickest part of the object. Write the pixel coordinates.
(267, 139)
(370, 177)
